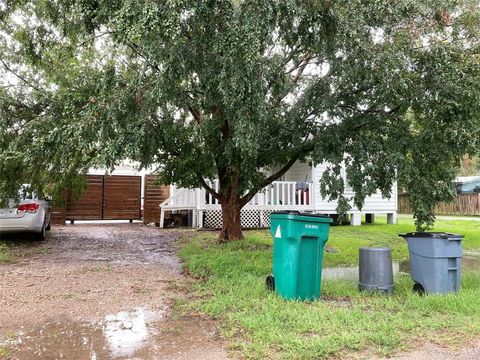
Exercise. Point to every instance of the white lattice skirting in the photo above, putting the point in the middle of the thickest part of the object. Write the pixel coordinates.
(250, 219)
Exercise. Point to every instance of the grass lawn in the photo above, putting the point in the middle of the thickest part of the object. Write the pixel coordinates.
(231, 288)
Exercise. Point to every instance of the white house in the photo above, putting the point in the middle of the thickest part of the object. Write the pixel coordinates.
(298, 189)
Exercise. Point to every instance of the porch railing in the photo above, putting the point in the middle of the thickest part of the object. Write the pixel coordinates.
(279, 194)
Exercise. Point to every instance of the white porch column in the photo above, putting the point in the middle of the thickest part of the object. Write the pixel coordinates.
(356, 219)
(171, 193)
(200, 219)
(194, 218)
(162, 218)
(197, 196)
(392, 218)
(313, 185)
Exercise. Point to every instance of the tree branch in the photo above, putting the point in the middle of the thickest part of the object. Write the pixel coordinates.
(208, 188)
(20, 77)
(305, 149)
(301, 68)
(246, 198)
(393, 110)
(134, 48)
(369, 110)
(197, 115)
(92, 38)
(301, 65)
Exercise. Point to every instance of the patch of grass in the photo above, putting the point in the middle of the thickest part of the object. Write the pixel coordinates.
(4, 352)
(67, 296)
(141, 290)
(40, 250)
(10, 335)
(6, 344)
(231, 288)
(177, 330)
(348, 239)
(6, 254)
(96, 268)
(180, 307)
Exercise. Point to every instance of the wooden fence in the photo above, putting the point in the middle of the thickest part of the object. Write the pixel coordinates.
(154, 195)
(114, 198)
(58, 216)
(464, 204)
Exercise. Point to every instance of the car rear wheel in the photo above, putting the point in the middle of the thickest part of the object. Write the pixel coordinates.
(41, 235)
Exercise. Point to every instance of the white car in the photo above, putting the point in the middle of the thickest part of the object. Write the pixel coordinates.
(31, 215)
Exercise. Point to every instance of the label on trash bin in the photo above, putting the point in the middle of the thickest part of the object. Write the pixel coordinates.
(278, 232)
(309, 226)
(454, 239)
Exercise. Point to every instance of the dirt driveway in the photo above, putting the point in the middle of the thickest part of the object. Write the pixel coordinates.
(100, 292)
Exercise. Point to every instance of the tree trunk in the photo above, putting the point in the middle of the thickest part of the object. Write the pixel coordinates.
(231, 226)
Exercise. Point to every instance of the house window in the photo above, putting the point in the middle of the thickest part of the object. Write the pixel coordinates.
(348, 187)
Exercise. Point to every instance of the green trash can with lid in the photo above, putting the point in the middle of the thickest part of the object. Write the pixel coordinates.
(298, 243)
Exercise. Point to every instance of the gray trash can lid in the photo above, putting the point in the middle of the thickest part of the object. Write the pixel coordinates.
(436, 235)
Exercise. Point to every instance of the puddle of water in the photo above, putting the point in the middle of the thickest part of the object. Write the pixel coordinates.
(349, 272)
(340, 273)
(470, 262)
(120, 335)
(126, 332)
(404, 266)
(59, 340)
(139, 334)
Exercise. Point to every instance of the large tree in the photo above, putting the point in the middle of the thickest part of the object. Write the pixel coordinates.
(239, 90)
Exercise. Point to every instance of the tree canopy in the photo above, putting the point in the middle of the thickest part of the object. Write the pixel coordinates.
(239, 91)
(470, 166)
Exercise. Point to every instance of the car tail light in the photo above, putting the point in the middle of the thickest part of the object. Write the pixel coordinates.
(31, 208)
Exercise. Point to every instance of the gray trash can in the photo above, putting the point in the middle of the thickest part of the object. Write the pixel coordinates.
(435, 261)
(375, 270)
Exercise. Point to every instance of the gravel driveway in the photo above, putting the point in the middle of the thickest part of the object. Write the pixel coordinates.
(100, 292)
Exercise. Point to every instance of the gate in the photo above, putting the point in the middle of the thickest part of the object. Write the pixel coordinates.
(154, 194)
(107, 198)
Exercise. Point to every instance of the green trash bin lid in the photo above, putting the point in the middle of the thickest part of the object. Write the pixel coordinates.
(293, 214)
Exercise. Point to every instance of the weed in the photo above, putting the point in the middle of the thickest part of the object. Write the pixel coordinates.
(5, 253)
(96, 268)
(10, 335)
(175, 330)
(141, 290)
(4, 352)
(67, 296)
(180, 307)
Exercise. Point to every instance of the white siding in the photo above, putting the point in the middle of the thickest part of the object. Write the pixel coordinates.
(298, 172)
(373, 204)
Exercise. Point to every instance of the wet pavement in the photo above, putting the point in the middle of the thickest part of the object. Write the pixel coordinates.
(115, 244)
(101, 291)
(471, 260)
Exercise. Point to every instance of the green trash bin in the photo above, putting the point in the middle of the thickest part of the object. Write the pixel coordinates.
(298, 242)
